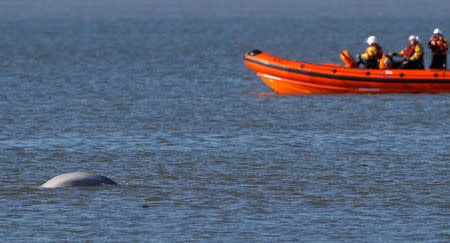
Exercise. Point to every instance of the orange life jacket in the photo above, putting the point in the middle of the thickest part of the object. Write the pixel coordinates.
(440, 45)
(348, 59)
(385, 62)
(409, 51)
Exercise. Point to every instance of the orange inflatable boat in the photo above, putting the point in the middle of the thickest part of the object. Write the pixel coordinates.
(292, 77)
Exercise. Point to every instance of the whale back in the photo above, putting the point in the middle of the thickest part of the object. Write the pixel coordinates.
(78, 179)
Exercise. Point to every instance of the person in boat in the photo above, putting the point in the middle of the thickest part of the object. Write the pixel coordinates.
(439, 48)
(412, 55)
(373, 54)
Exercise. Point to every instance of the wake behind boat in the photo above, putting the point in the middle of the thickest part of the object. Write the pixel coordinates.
(293, 77)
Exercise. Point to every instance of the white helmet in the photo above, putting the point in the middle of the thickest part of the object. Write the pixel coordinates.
(417, 38)
(412, 37)
(437, 31)
(371, 40)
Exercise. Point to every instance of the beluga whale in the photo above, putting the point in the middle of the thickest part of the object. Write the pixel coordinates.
(76, 179)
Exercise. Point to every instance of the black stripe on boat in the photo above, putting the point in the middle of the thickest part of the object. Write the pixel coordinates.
(332, 76)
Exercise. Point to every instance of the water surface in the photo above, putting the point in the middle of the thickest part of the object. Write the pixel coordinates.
(201, 148)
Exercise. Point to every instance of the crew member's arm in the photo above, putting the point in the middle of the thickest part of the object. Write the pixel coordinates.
(418, 53)
(445, 44)
(370, 53)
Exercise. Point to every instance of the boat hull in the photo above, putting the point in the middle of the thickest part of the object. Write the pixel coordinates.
(292, 77)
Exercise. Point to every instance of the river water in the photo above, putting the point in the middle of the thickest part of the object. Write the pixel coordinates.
(201, 148)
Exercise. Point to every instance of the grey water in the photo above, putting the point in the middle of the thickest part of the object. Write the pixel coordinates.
(162, 103)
